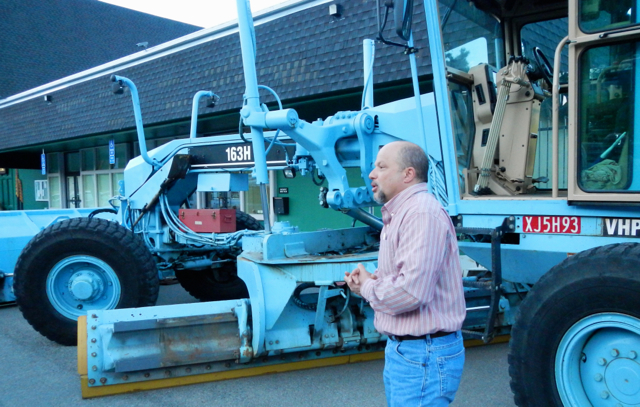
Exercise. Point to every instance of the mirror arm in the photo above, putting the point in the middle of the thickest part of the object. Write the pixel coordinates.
(407, 49)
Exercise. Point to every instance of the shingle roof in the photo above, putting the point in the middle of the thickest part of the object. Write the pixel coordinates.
(300, 54)
(44, 40)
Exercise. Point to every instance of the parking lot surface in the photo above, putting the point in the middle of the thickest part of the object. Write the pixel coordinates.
(37, 372)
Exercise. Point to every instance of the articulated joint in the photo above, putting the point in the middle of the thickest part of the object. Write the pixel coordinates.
(351, 198)
(279, 119)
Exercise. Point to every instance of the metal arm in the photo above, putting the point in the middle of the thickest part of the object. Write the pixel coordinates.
(194, 109)
(138, 118)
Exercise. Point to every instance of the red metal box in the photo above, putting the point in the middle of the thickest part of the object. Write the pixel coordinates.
(209, 220)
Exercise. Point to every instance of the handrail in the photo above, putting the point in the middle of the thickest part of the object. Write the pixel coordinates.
(554, 116)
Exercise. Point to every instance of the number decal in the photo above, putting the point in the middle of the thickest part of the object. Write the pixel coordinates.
(551, 224)
(238, 153)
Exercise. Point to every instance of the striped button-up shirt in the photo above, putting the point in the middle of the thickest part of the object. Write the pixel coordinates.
(418, 289)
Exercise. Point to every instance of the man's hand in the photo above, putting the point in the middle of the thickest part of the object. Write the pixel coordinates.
(356, 279)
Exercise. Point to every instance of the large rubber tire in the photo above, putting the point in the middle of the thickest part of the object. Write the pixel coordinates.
(576, 340)
(78, 265)
(246, 221)
(224, 284)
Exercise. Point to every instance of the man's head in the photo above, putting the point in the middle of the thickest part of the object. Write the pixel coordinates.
(399, 165)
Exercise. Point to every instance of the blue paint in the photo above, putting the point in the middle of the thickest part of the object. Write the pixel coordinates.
(597, 361)
(18, 228)
(112, 151)
(78, 283)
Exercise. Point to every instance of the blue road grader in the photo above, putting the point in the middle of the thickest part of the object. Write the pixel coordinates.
(530, 134)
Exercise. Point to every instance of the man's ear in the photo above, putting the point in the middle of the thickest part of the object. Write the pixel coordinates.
(409, 175)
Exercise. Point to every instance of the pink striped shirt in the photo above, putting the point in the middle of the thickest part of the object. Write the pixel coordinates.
(419, 286)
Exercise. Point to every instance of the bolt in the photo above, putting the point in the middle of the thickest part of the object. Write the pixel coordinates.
(333, 335)
(604, 394)
(93, 327)
(147, 375)
(270, 342)
(598, 377)
(227, 364)
(318, 353)
(167, 373)
(188, 370)
(207, 367)
(103, 380)
(277, 342)
(125, 377)
(93, 340)
(633, 355)
(326, 335)
(615, 353)
(92, 381)
(94, 368)
(94, 354)
(602, 361)
(94, 316)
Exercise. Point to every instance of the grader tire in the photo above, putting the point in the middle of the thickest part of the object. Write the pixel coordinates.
(82, 264)
(207, 285)
(577, 330)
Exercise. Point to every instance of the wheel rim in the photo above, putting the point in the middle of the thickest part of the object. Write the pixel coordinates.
(79, 283)
(598, 362)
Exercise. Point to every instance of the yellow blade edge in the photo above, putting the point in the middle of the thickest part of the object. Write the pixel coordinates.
(83, 364)
(100, 391)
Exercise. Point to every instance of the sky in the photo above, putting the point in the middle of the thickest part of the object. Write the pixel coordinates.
(203, 13)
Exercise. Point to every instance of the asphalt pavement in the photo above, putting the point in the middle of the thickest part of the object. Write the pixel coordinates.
(37, 372)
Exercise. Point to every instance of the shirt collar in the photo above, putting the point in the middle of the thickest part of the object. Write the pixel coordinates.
(396, 202)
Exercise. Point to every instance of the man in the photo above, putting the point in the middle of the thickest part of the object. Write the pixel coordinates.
(416, 292)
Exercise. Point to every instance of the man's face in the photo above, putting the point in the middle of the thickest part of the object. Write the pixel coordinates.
(387, 176)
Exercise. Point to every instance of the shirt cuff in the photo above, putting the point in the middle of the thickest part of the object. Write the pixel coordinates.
(366, 291)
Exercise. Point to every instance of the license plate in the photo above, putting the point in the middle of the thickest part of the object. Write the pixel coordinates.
(551, 224)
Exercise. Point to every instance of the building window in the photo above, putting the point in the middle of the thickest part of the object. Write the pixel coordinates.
(53, 176)
(99, 177)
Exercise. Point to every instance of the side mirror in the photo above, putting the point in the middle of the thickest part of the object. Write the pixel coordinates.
(403, 15)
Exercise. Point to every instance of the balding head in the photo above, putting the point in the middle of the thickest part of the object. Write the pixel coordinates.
(399, 165)
(411, 155)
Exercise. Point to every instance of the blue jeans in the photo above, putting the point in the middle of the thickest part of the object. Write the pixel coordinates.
(423, 372)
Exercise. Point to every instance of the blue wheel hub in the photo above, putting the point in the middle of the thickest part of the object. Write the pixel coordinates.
(598, 362)
(79, 283)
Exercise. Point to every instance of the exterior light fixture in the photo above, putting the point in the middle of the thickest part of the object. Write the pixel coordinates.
(335, 10)
(289, 172)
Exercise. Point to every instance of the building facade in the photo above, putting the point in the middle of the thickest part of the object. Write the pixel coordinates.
(311, 56)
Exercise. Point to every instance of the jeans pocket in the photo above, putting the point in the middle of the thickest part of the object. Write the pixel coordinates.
(413, 352)
(450, 370)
